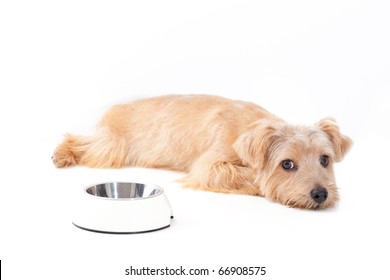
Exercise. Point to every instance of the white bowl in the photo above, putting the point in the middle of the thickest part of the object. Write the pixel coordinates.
(122, 207)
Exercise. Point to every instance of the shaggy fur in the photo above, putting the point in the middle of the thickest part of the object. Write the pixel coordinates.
(223, 145)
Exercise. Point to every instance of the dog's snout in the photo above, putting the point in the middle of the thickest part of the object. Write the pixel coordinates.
(319, 194)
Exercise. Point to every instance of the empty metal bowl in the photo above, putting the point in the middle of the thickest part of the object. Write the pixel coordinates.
(122, 207)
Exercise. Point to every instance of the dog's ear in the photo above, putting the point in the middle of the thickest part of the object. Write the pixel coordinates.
(341, 143)
(253, 146)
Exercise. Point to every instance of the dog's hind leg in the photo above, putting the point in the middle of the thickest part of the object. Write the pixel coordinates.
(220, 172)
(102, 150)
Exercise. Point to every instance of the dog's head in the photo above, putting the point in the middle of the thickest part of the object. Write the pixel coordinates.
(294, 164)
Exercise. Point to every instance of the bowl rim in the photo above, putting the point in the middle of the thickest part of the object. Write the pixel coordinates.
(161, 191)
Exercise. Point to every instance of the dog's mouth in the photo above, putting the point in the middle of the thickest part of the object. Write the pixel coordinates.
(305, 201)
(317, 198)
(311, 205)
(321, 206)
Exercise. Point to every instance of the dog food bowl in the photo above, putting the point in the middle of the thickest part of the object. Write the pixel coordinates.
(123, 207)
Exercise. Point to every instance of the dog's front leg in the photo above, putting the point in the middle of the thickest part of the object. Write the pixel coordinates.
(220, 172)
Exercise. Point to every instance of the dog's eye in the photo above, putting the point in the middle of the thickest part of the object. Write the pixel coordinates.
(288, 164)
(324, 160)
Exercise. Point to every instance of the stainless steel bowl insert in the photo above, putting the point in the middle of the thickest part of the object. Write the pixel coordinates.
(124, 191)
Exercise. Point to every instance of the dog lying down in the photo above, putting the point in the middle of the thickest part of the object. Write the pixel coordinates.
(223, 145)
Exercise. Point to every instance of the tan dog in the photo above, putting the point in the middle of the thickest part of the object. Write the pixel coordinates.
(224, 145)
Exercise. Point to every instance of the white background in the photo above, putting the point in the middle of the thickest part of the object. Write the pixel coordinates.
(63, 63)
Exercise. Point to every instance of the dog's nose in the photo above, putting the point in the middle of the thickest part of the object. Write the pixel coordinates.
(319, 194)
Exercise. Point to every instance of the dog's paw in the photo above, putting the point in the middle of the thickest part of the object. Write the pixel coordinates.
(58, 163)
(61, 159)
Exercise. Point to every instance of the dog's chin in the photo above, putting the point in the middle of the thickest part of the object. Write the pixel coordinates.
(321, 206)
(308, 204)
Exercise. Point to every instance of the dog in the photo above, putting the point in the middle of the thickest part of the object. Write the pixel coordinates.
(223, 145)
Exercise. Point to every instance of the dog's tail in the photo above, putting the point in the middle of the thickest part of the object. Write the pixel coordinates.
(103, 150)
